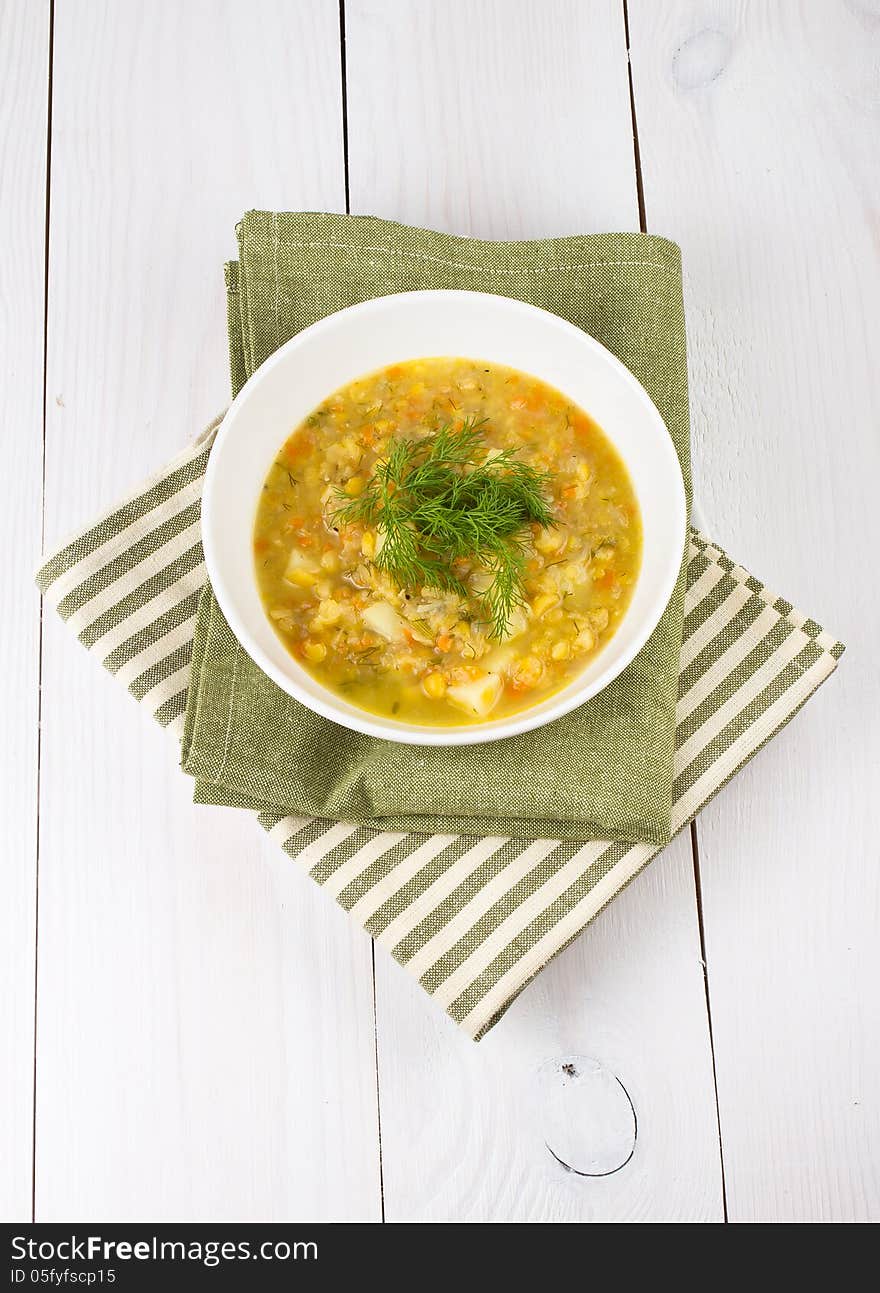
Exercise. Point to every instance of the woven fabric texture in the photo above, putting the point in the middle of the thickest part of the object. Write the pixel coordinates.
(606, 768)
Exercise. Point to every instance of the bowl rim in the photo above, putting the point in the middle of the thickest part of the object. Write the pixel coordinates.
(349, 716)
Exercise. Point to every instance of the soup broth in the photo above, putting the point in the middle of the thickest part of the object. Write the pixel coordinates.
(419, 652)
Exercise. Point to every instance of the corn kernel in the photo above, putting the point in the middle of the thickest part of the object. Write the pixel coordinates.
(303, 578)
(315, 651)
(355, 486)
(549, 541)
(434, 685)
(368, 543)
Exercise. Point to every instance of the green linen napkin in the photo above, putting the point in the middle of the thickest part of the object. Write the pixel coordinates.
(604, 770)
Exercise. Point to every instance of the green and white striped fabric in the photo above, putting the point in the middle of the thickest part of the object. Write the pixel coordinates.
(473, 919)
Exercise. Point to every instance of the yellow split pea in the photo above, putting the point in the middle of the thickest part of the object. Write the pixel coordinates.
(424, 655)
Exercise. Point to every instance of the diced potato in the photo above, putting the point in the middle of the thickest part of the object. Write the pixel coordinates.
(330, 561)
(599, 619)
(300, 569)
(477, 698)
(517, 623)
(434, 685)
(384, 620)
(585, 640)
(560, 650)
(500, 658)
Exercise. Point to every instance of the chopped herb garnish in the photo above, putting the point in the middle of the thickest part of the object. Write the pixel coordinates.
(443, 498)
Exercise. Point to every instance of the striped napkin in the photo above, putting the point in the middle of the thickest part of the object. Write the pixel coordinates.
(473, 919)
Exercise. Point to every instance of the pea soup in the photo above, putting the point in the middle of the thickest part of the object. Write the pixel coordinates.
(446, 541)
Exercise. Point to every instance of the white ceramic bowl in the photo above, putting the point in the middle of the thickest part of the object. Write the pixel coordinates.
(411, 325)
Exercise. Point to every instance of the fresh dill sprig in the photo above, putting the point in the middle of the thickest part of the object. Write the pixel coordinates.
(444, 498)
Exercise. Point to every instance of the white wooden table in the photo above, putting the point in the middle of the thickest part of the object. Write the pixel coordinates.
(189, 1029)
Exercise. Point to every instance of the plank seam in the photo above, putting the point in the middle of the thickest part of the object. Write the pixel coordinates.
(343, 73)
(694, 836)
(50, 59)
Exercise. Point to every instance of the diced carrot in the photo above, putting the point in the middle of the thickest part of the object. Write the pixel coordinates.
(261, 545)
(298, 448)
(445, 642)
(569, 491)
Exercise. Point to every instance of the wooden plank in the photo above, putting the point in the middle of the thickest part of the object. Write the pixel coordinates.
(24, 40)
(512, 120)
(501, 118)
(206, 1044)
(758, 127)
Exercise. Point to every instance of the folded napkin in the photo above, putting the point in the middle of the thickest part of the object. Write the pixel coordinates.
(473, 918)
(603, 770)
